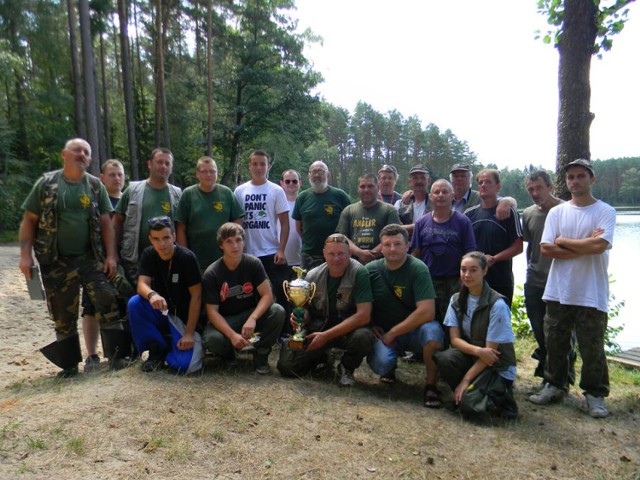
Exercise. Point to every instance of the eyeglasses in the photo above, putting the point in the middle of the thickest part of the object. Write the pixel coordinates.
(161, 220)
(288, 181)
(317, 171)
(336, 238)
(208, 172)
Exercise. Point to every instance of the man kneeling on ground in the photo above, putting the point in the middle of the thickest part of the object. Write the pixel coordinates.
(239, 302)
(336, 317)
(404, 313)
(169, 290)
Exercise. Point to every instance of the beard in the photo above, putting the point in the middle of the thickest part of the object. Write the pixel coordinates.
(319, 186)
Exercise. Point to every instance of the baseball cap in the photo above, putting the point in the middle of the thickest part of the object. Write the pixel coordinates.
(460, 167)
(388, 168)
(419, 169)
(581, 162)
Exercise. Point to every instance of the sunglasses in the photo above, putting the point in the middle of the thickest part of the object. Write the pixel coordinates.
(336, 238)
(287, 181)
(162, 220)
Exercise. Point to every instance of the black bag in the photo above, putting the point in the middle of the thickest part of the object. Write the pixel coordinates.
(488, 394)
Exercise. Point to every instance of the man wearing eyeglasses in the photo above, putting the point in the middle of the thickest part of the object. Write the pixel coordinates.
(317, 213)
(141, 201)
(291, 183)
(336, 317)
(387, 178)
(169, 292)
(67, 223)
(203, 208)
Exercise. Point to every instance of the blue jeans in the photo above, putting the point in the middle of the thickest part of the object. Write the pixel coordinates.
(382, 359)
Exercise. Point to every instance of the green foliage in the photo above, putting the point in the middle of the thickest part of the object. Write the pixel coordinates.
(519, 319)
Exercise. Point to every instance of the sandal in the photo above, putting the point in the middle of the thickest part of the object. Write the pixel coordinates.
(432, 397)
(389, 378)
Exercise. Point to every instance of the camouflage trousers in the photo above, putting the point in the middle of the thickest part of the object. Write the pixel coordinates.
(62, 281)
(590, 326)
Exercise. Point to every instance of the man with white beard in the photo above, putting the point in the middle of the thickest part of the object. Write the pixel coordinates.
(316, 213)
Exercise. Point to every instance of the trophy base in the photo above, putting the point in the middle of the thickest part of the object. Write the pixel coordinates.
(295, 344)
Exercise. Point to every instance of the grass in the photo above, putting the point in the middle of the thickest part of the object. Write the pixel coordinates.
(8, 236)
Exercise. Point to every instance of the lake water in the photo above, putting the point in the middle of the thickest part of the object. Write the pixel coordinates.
(624, 264)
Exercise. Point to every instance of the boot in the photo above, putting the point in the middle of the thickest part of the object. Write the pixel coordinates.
(116, 345)
(65, 354)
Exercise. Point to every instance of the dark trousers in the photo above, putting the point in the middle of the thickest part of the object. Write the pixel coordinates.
(536, 310)
(277, 275)
(356, 344)
(590, 326)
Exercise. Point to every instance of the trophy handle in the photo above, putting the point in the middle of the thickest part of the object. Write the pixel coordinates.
(312, 291)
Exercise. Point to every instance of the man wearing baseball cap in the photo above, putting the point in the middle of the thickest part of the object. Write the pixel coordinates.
(387, 178)
(415, 203)
(578, 235)
(464, 197)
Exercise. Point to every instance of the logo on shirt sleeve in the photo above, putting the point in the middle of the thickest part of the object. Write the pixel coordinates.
(224, 292)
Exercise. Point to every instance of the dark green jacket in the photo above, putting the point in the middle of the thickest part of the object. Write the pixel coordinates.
(480, 325)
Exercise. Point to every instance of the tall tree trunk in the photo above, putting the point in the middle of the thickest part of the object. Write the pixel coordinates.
(76, 80)
(88, 68)
(162, 122)
(575, 47)
(209, 79)
(127, 87)
(105, 102)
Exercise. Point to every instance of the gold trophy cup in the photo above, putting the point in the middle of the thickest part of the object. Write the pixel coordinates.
(299, 292)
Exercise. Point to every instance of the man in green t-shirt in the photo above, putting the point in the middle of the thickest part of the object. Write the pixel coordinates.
(336, 317)
(403, 317)
(202, 210)
(316, 213)
(361, 222)
(68, 225)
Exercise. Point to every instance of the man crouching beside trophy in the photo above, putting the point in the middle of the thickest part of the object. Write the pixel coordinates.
(336, 315)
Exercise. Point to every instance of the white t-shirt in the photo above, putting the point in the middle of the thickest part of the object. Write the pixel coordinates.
(294, 243)
(581, 281)
(262, 204)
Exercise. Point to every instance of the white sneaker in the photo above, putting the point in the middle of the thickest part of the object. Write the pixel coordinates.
(596, 406)
(345, 377)
(549, 394)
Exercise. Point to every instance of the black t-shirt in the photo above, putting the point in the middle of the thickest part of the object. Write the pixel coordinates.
(234, 291)
(172, 278)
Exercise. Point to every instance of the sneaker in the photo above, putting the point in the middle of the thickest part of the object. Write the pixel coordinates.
(345, 376)
(549, 394)
(596, 406)
(91, 363)
(261, 363)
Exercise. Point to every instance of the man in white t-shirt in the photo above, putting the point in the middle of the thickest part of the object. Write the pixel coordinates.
(265, 204)
(578, 235)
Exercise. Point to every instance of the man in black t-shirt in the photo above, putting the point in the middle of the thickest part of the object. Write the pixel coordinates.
(239, 302)
(169, 291)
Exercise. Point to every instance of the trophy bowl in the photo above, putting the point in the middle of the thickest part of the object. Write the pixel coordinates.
(299, 292)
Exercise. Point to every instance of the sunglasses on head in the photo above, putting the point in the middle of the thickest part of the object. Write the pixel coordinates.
(162, 220)
(288, 181)
(336, 238)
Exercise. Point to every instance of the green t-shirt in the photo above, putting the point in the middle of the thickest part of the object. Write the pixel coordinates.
(74, 212)
(361, 293)
(154, 203)
(411, 283)
(319, 213)
(362, 225)
(203, 213)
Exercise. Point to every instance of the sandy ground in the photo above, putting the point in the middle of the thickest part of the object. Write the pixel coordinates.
(235, 424)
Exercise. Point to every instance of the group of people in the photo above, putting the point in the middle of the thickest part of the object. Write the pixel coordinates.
(180, 274)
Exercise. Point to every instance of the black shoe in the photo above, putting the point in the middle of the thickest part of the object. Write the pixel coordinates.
(67, 372)
(151, 365)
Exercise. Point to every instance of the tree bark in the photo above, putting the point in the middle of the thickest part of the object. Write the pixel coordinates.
(209, 79)
(76, 80)
(127, 88)
(575, 47)
(88, 68)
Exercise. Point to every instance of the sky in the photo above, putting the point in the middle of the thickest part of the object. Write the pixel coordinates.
(473, 67)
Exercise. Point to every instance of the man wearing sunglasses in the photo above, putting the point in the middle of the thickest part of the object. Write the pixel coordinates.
(169, 292)
(291, 183)
(67, 223)
(336, 317)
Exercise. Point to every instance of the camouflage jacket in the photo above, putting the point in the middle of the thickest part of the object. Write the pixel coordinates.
(45, 244)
